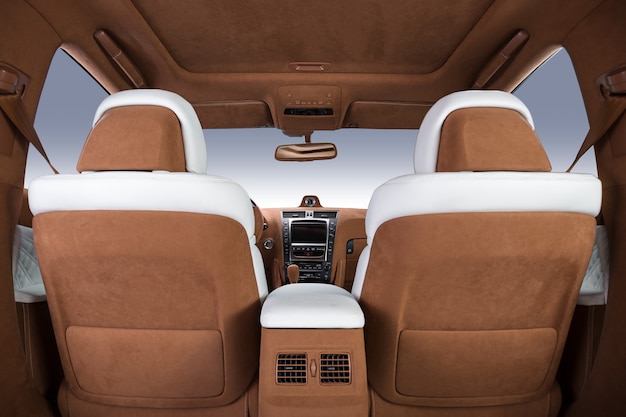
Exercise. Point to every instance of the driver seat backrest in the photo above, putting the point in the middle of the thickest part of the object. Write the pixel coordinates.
(473, 266)
(152, 274)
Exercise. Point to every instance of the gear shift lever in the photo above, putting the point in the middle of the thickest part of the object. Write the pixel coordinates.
(293, 272)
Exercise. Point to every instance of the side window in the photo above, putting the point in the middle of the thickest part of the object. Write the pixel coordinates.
(553, 96)
(64, 116)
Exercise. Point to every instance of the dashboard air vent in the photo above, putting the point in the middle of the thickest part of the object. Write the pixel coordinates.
(335, 368)
(291, 368)
(293, 214)
(325, 214)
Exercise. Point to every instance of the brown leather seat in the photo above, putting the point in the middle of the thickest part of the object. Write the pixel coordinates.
(152, 274)
(473, 267)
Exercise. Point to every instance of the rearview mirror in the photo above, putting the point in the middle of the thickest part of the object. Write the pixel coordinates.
(302, 152)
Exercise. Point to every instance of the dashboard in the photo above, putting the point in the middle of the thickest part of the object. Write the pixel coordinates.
(323, 243)
(308, 242)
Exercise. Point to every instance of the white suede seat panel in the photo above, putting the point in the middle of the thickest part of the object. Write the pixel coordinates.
(595, 287)
(27, 281)
(31, 294)
(359, 274)
(482, 192)
(193, 193)
(311, 306)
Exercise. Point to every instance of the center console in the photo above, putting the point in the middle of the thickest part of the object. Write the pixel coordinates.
(308, 242)
(312, 360)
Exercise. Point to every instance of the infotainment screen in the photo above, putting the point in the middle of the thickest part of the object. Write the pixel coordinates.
(308, 232)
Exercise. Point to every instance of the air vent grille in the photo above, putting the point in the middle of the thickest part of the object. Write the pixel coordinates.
(335, 368)
(321, 214)
(293, 214)
(291, 368)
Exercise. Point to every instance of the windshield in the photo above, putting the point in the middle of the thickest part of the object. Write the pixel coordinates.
(366, 159)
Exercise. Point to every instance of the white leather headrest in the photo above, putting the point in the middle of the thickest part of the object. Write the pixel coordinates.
(193, 138)
(427, 144)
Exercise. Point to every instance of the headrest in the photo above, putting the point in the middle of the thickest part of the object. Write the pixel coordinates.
(489, 139)
(478, 131)
(144, 130)
(134, 138)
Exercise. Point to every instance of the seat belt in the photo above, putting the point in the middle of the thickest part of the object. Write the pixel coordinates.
(613, 108)
(613, 87)
(13, 108)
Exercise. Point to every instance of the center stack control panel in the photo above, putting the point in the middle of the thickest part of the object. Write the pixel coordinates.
(308, 241)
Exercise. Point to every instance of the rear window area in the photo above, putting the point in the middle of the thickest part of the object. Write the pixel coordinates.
(553, 97)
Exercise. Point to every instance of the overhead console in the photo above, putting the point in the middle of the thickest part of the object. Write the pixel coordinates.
(308, 242)
(308, 107)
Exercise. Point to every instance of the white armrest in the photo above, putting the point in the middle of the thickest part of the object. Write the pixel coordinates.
(311, 306)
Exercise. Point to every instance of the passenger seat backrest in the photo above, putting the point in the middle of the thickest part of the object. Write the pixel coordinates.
(470, 276)
(151, 268)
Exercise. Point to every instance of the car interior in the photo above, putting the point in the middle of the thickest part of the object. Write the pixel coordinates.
(148, 280)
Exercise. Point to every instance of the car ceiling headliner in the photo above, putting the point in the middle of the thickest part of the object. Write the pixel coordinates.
(388, 60)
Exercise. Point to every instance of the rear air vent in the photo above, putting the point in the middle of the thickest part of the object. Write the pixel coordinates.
(334, 368)
(291, 368)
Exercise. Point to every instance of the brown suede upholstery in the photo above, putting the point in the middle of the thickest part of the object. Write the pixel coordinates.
(313, 398)
(489, 139)
(548, 405)
(467, 311)
(486, 305)
(148, 312)
(134, 138)
(42, 356)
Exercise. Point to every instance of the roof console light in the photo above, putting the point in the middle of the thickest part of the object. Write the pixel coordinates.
(308, 107)
(308, 111)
